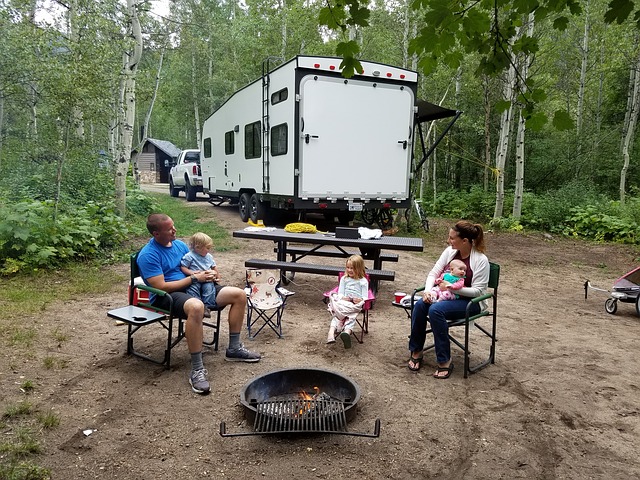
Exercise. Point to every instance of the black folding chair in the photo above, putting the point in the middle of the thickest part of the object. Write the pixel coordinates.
(140, 313)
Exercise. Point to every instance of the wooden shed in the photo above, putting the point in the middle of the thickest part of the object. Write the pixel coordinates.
(154, 160)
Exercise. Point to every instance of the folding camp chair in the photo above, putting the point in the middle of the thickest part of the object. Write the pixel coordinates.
(266, 300)
(140, 313)
(470, 321)
(363, 322)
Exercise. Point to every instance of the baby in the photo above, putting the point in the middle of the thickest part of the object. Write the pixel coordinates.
(449, 281)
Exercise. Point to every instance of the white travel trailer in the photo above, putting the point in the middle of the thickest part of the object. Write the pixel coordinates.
(305, 139)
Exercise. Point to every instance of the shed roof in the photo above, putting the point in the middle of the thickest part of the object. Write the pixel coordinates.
(166, 146)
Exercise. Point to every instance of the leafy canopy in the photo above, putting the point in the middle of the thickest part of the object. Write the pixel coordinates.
(485, 28)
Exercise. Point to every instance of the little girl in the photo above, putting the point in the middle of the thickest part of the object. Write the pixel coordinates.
(347, 303)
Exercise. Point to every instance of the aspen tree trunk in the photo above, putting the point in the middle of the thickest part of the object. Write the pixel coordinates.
(630, 130)
(147, 118)
(1, 125)
(520, 157)
(582, 85)
(196, 109)
(128, 105)
(519, 178)
(503, 141)
(487, 132)
(627, 114)
(283, 31)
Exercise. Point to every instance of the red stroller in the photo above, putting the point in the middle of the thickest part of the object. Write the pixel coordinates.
(626, 289)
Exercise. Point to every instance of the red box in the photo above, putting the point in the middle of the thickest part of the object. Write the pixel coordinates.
(139, 295)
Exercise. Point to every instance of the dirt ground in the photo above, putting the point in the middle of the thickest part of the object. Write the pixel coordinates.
(560, 402)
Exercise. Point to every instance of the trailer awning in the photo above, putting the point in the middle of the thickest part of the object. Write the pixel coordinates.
(429, 111)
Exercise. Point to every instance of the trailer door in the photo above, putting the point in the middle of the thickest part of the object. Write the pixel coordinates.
(355, 139)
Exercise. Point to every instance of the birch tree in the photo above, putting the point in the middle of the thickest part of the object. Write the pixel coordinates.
(631, 120)
(127, 107)
(520, 150)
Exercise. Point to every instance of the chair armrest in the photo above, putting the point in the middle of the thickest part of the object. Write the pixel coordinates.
(156, 291)
(413, 296)
(476, 300)
(486, 296)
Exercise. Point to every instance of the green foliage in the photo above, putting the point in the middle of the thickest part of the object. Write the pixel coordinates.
(606, 221)
(476, 204)
(548, 211)
(33, 235)
(591, 222)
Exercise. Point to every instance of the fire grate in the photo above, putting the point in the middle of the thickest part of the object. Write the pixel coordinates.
(278, 403)
(300, 416)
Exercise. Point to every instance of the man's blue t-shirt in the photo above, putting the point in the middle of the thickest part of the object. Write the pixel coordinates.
(155, 259)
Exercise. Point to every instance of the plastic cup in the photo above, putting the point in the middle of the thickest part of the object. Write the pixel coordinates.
(399, 296)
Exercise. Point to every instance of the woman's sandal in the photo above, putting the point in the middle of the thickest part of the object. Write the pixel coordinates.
(415, 363)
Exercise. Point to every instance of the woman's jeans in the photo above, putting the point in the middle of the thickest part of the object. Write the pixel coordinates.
(437, 314)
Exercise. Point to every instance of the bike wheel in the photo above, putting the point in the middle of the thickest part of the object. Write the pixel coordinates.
(369, 216)
(385, 219)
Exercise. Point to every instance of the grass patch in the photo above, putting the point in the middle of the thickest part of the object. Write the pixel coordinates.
(48, 420)
(51, 363)
(27, 386)
(21, 408)
(189, 220)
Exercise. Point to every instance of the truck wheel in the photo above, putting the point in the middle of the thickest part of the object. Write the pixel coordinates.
(257, 209)
(243, 206)
(189, 191)
(173, 191)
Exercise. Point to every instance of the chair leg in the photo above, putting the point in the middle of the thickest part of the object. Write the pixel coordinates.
(216, 331)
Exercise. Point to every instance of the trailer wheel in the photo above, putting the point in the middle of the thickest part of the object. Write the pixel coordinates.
(189, 191)
(243, 206)
(257, 209)
(611, 305)
(638, 305)
(173, 191)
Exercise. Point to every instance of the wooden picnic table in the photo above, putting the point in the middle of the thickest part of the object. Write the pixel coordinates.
(327, 244)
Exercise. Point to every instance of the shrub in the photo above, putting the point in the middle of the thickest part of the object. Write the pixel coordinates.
(33, 236)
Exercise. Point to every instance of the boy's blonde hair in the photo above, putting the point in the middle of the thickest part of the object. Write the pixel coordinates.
(357, 263)
(200, 239)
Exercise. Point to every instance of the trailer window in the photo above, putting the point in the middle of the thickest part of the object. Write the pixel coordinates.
(252, 140)
(279, 140)
(279, 96)
(229, 143)
(207, 147)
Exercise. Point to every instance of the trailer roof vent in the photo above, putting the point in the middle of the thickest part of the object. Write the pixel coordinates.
(376, 73)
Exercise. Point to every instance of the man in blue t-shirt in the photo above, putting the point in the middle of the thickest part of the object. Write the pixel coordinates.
(159, 264)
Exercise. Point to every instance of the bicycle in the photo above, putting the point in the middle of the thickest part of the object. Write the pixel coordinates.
(422, 216)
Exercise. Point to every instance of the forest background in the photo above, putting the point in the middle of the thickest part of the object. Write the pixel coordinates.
(550, 85)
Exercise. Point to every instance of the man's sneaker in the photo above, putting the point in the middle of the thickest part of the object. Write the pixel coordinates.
(241, 354)
(198, 381)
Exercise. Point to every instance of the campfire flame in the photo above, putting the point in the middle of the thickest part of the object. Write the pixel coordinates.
(305, 396)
